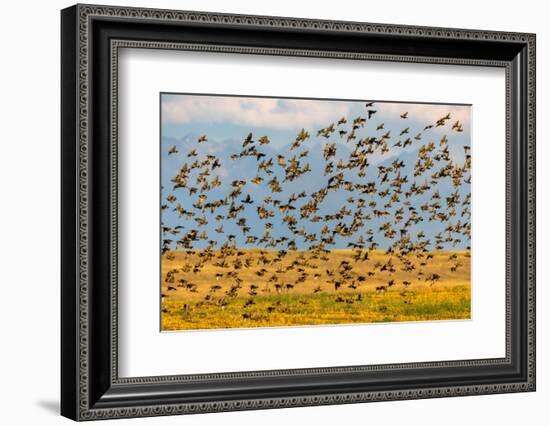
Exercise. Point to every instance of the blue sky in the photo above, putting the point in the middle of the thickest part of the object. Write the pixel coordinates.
(227, 120)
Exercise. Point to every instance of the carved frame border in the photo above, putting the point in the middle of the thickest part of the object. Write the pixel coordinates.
(85, 13)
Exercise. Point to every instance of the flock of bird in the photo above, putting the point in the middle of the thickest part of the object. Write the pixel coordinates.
(397, 201)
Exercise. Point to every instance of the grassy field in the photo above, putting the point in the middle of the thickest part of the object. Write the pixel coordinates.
(197, 292)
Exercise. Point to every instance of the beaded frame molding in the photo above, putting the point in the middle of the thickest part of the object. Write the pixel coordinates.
(91, 38)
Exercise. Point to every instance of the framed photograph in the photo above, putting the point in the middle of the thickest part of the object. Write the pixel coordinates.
(263, 212)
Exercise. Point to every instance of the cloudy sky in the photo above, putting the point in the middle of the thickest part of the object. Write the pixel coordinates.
(227, 117)
(227, 120)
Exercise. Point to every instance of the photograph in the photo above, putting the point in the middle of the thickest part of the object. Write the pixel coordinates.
(279, 212)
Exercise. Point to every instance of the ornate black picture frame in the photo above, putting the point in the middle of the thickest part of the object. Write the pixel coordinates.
(91, 387)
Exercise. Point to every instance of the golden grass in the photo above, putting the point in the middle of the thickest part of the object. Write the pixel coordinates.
(184, 308)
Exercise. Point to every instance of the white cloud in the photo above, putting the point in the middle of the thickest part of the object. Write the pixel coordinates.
(285, 114)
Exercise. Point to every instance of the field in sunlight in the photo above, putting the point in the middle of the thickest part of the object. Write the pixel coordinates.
(259, 289)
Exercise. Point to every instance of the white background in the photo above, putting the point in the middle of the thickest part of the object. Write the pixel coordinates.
(141, 345)
(29, 226)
